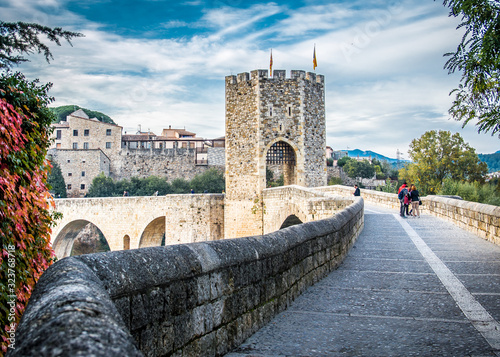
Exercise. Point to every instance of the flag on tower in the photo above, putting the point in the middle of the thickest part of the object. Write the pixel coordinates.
(271, 64)
(315, 64)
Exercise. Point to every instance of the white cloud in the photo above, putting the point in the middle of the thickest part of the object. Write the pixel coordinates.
(389, 89)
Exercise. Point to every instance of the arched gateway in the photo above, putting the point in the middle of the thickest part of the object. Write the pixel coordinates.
(273, 122)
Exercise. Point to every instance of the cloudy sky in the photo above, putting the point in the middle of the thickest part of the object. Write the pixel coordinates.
(157, 63)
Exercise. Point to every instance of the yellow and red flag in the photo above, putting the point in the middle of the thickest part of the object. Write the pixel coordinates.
(271, 63)
(315, 63)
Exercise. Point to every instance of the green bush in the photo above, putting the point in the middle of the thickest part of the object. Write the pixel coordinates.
(474, 192)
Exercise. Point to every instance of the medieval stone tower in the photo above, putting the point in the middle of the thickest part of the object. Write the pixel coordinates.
(274, 122)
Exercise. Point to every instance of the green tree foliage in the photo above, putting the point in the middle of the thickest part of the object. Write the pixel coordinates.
(25, 219)
(19, 38)
(271, 181)
(474, 192)
(102, 186)
(364, 169)
(438, 156)
(211, 181)
(341, 162)
(180, 185)
(477, 58)
(56, 182)
(492, 160)
(63, 111)
(335, 181)
(390, 186)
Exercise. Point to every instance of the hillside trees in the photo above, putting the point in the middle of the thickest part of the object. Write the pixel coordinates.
(492, 160)
(211, 181)
(63, 111)
(25, 219)
(440, 155)
(477, 58)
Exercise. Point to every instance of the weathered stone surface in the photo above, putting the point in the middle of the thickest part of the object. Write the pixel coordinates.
(260, 112)
(71, 314)
(180, 300)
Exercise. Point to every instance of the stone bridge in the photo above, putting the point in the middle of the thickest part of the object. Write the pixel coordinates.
(138, 222)
(412, 287)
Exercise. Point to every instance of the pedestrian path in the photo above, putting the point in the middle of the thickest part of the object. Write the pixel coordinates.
(408, 287)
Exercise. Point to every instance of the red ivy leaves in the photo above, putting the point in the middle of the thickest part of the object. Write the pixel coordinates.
(25, 219)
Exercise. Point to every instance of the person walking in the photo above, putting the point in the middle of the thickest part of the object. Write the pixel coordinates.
(403, 190)
(415, 201)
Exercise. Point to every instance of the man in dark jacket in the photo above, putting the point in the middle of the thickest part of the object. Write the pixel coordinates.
(356, 191)
(403, 190)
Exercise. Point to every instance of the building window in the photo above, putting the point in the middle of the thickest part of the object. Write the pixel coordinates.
(70, 174)
(75, 132)
(75, 145)
(58, 145)
(86, 132)
(108, 145)
(83, 173)
(108, 132)
(69, 186)
(82, 186)
(69, 161)
(86, 146)
(58, 134)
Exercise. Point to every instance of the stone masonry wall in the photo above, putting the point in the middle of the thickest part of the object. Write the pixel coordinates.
(307, 204)
(261, 111)
(183, 218)
(79, 167)
(165, 163)
(481, 219)
(200, 299)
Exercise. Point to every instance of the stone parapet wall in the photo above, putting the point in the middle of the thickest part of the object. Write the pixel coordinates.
(384, 199)
(182, 300)
(481, 219)
(307, 204)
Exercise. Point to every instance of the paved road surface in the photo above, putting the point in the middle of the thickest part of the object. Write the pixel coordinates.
(409, 287)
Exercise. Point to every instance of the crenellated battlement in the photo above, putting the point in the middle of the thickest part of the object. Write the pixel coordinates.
(271, 122)
(278, 75)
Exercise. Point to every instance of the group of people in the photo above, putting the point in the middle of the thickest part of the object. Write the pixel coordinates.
(408, 196)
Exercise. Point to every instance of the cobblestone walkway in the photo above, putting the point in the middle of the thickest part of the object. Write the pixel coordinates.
(409, 287)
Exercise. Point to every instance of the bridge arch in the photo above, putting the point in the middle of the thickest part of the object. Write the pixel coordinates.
(65, 240)
(153, 233)
(291, 220)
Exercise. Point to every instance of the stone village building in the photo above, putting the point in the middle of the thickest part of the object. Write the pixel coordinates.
(84, 147)
(271, 122)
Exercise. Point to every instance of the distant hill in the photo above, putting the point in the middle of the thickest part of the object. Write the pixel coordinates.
(367, 154)
(492, 160)
(63, 111)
